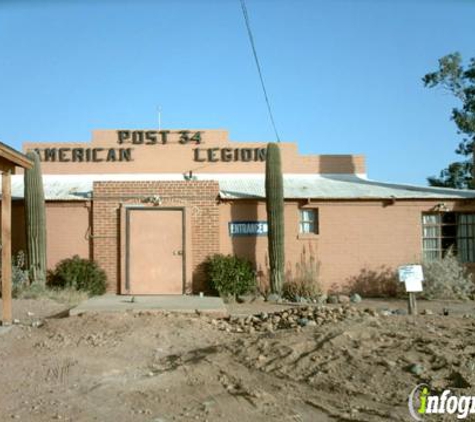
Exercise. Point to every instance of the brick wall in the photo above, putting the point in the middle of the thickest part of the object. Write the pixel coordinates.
(355, 237)
(199, 198)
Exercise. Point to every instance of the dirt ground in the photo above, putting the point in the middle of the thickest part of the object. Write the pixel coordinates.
(162, 367)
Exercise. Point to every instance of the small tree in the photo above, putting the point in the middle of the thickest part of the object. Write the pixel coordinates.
(35, 221)
(275, 217)
(460, 82)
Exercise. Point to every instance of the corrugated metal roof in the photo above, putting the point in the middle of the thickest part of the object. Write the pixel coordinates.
(337, 187)
(59, 189)
(233, 186)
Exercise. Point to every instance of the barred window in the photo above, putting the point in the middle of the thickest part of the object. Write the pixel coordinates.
(308, 221)
(442, 232)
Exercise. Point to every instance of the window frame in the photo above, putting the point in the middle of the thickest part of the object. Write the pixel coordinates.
(450, 234)
(315, 222)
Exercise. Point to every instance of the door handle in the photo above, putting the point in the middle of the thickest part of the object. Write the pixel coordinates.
(180, 253)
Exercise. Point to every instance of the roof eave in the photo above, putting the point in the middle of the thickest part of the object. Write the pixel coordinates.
(15, 157)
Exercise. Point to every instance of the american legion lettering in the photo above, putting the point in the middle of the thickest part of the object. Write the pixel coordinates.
(84, 155)
(212, 155)
(142, 138)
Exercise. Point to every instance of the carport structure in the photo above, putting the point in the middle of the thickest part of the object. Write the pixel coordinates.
(9, 160)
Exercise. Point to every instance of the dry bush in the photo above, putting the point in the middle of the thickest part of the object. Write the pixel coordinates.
(447, 278)
(20, 279)
(304, 280)
(381, 282)
(67, 296)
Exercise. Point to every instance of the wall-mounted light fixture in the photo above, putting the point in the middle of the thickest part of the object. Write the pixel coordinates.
(188, 176)
(153, 200)
(441, 207)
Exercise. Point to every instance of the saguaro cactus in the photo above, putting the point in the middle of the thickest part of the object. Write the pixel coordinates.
(35, 221)
(275, 216)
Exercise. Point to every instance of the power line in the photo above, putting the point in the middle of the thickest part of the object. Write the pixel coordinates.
(256, 58)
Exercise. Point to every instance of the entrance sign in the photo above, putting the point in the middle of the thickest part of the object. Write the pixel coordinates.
(248, 228)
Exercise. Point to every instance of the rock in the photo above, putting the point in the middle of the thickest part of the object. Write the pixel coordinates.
(302, 322)
(427, 312)
(416, 369)
(258, 298)
(323, 298)
(16, 321)
(355, 298)
(311, 323)
(263, 316)
(389, 363)
(333, 299)
(399, 312)
(245, 299)
(37, 324)
(300, 299)
(273, 297)
(343, 299)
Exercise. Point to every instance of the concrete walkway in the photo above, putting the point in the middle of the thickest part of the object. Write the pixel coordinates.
(5, 329)
(171, 303)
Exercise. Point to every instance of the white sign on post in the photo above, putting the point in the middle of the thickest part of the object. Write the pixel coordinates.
(412, 277)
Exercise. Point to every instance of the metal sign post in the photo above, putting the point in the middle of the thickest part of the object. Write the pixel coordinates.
(412, 304)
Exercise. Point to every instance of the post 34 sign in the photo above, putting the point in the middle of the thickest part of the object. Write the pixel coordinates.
(247, 228)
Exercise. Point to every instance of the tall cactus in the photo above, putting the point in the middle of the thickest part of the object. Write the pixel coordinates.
(275, 217)
(35, 221)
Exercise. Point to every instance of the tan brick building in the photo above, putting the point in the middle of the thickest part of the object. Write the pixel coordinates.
(150, 206)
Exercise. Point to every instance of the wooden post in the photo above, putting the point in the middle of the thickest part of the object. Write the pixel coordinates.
(412, 304)
(6, 249)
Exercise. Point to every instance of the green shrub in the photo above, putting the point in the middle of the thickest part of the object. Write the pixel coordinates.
(80, 274)
(230, 275)
(447, 278)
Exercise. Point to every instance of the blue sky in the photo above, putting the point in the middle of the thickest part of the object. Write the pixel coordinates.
(342, 76)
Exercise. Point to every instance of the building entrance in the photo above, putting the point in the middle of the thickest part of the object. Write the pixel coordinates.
(155, 251)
